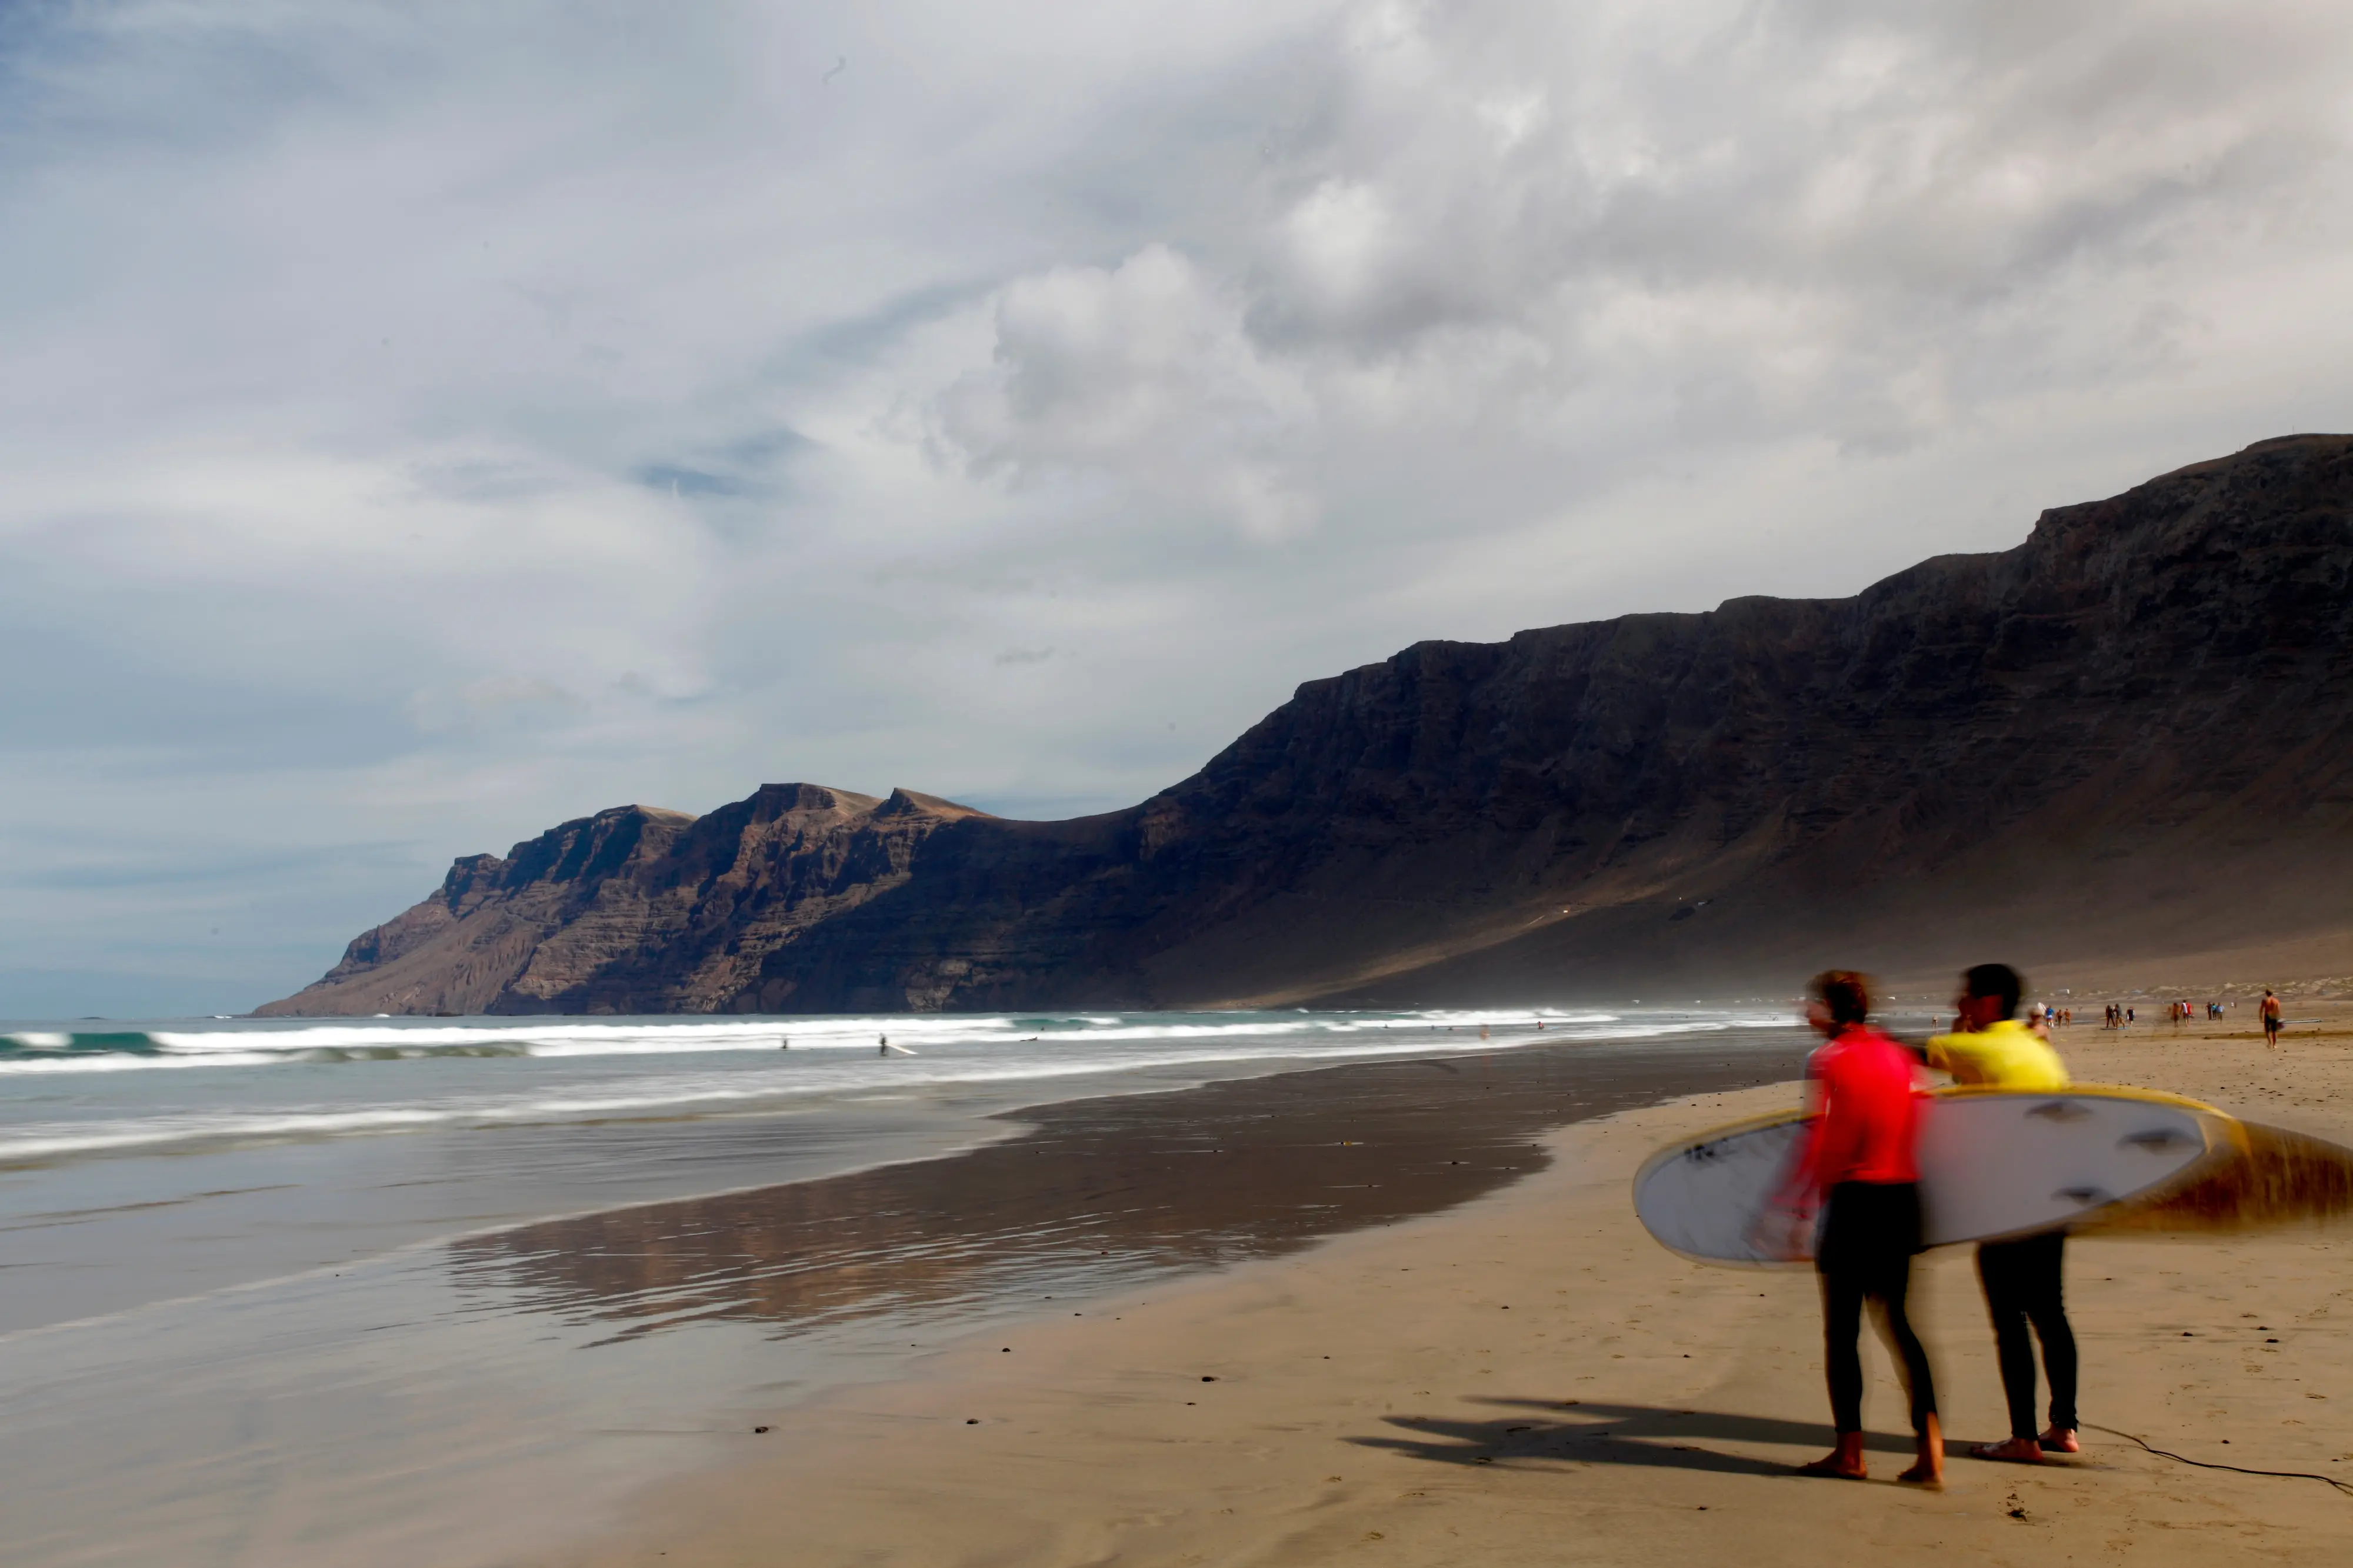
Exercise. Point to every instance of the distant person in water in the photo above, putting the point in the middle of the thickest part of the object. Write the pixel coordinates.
(2022, 1279)
(2270, 1017)
(1858, 1166)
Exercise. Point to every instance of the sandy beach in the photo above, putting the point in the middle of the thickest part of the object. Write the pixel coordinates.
(1528, 1374)
(352, 1383)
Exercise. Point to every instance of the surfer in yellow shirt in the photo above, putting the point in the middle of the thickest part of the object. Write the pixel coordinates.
(2001, 1053)
(2022, 1279)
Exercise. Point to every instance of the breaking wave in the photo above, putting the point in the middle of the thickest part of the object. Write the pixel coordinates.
(81, 1092)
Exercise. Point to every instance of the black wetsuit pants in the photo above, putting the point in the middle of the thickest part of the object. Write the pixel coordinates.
(1870, 1231)
(2022, 1286)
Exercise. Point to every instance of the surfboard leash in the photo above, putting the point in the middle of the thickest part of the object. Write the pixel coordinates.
(2346, 1486)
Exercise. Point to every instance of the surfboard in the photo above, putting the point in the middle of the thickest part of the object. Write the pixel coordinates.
(2277, 1178)
(1994, 1163)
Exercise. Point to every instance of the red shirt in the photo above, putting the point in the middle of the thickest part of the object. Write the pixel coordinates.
(1870, 1116)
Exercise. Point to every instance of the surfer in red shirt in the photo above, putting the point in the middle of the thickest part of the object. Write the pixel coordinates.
(1858, 1165)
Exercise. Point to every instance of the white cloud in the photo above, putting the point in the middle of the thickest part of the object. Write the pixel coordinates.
(1140, 371)
(492, 703)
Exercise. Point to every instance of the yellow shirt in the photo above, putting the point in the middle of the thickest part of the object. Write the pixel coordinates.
(2009, 1055)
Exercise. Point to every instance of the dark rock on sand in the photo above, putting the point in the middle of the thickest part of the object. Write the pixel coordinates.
(2127, 734)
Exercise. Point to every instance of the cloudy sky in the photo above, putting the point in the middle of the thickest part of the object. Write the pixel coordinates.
(424, 423)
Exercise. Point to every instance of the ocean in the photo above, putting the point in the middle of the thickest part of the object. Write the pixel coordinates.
(288, 1291)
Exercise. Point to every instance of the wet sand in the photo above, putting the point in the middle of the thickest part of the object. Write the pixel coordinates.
(1528, 1376)
(1098, 1194)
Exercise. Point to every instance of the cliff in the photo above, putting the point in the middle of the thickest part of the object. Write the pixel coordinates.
(2127, 733)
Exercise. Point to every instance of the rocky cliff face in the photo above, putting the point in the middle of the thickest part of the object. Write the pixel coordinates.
(2131, 730)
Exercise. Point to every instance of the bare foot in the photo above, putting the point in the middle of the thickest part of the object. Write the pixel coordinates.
(1842, 1463)
(1930, 1470)
(2059, 1440)
(2013, 1450)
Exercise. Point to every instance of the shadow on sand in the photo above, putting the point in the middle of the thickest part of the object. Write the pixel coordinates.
(1598, 1432)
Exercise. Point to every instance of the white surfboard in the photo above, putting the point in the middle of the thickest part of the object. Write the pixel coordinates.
(1993, 1164)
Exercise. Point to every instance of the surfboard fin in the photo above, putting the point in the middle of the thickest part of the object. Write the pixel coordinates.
(2157, 1140)
(2086, 1197)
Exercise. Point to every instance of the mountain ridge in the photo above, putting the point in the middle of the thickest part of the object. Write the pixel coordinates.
(2014, 750)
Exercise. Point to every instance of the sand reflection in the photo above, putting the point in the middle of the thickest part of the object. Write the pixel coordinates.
(1097, 1192)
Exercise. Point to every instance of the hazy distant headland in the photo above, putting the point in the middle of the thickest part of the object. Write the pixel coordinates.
(2128, 735)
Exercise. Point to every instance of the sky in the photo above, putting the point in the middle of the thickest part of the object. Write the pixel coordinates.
(423, 423)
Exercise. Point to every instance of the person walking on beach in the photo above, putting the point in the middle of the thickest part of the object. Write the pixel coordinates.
(2022, 1279)
(1859, 1165)
(2270, 1017)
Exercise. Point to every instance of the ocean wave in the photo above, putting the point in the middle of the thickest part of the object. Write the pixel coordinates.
(737, 1089)
(41, 1043)
(250, 1044)
(1104, 1041)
